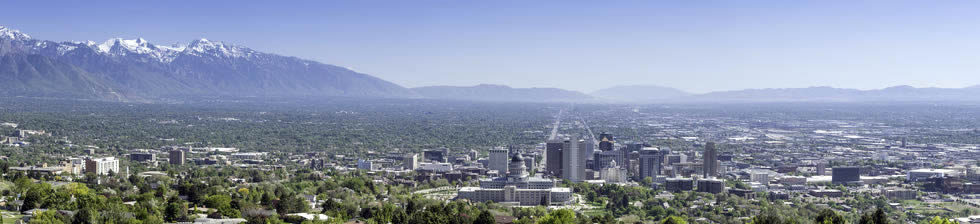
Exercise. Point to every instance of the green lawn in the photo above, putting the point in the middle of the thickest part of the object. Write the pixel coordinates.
(959, 207)
(939, 208)
(595, 212)
(10, 217)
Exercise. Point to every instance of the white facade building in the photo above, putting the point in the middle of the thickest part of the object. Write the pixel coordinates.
(613, 173)
(102, 166)
(924, 174)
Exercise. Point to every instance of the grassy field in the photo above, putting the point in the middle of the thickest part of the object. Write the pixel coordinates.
(943, 209)
(958, 208)
(10, 217)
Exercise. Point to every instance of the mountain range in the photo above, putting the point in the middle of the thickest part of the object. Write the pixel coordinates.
(639, 93)
(829, 94)
(137, 70)
(486, 92)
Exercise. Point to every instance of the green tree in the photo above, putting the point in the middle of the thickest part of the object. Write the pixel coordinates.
(877, 217)
(428, 217)
(770, 217)
(880, 217)
(46, 217)
(292, 204)
(153, 220)
(223, 204)
(176, 211)
(673, 220)
(560, 216)
(85, 216)
(828, 216)
(487, 218)
(647, 181)
(940, 220)
(32, 200)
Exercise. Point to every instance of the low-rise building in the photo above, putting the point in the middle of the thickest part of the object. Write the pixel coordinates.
(39, 170)
(713, 186)
(679, 184)
(142, 156)
(900, 194)
(833, 193)
(436, 167)
(925, 174)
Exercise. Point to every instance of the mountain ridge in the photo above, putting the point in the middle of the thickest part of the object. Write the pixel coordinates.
(137, 70)
(900, 93)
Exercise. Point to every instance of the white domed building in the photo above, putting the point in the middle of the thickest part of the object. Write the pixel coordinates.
(517, 188)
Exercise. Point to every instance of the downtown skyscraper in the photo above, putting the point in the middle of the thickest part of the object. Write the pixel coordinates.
(710, 160)
(573, 160)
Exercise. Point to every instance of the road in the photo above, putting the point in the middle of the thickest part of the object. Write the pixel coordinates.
(587, 128)
(553, 136)
(554, 130)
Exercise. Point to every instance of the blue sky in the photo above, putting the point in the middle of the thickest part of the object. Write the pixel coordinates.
(697, 46)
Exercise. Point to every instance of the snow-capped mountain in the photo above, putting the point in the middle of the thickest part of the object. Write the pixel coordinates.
(13, 34)
(136, 69)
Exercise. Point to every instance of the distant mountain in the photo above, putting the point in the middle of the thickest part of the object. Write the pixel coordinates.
(830, 94)
(639, 93)
(126, 70)
(502, 93)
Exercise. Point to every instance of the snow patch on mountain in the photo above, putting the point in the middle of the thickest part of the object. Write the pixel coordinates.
(13, 34)
(119, 47)
(64, 49)
(217, 48)
(166, 54)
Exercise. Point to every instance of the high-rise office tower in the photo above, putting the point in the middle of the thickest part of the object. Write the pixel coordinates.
(710, 160)
(589, 147)
(498, 160)
(649, 162)
(606, 142)
(553, 149)
(573, 160)
(177, 157)
(411, 161)
(821, 168)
